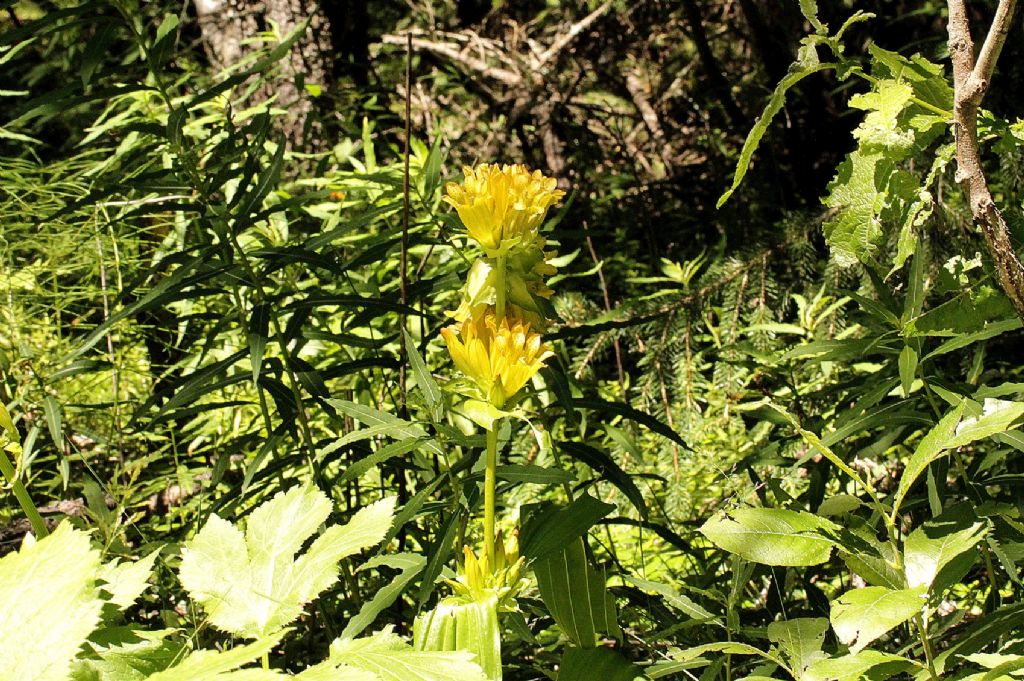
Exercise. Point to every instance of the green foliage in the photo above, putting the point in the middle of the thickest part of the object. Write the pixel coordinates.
(51, 604)
(783, 443)
(388, 658)
(253, 584)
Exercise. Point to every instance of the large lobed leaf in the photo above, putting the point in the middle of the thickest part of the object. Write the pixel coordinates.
(253, 584)
(50, 605)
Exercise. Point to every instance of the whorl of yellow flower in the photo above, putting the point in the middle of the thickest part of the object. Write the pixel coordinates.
(477, 580)
(498, 203)
(499, 358)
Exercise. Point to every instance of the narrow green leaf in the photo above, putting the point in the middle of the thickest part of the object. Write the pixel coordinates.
(930, 448)
(259, 323)
(603, 464)
(54, 421)
(385, 453)
(676, 600)
(408, 564)
(424, 380)
(537, 475)
(908, 368)
(775, 104)
(548, 529)
(576, 595)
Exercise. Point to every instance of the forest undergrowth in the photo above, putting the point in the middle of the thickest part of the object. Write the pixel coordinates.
(512, 344)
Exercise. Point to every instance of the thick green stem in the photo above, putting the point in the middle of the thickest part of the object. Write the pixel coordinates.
(490, 482)
(499, 289)
(22, 495)
(266, 661)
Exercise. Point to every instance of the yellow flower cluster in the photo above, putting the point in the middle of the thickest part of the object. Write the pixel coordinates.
(500, 357)
(496, 341)
(503, 205)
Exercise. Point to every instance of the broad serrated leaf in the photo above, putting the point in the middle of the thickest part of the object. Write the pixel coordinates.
(126, 580)
(120, 654)
(211, 665)
(50, 605)
(881, 127)
(326, 671)
(252, 584)
(857, 194)
(771, 536)
(392, 659)
(862, 615)
(801, 639)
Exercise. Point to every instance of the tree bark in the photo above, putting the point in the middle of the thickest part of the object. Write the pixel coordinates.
(227, 24)
(970, 81)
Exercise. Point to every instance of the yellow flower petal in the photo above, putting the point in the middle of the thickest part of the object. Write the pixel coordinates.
(496, 203)
(499, 358)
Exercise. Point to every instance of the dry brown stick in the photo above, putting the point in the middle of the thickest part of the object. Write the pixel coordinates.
(456, 54)
(607, 308)
(563, 40)
(970, 81)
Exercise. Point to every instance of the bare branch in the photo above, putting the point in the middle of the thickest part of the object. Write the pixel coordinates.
(459, 55)
(970, 81)
(563, 40)
(986, 64)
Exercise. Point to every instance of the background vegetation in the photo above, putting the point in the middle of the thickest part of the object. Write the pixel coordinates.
(785, 423)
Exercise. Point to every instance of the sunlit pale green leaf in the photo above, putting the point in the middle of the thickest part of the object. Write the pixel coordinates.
(126, 580)
(50, 605)
(253, 584)
(212, 665)
(857, 666)
(391, 659)
(938, 543)
(801, 640)
(862, 615)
